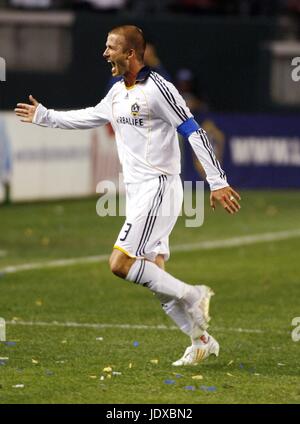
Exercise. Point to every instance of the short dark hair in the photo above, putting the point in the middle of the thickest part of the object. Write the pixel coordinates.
(134, 39)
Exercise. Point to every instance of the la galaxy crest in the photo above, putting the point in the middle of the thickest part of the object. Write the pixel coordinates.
(135, 109)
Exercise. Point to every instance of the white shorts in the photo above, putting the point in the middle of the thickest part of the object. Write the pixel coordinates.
(152, 209)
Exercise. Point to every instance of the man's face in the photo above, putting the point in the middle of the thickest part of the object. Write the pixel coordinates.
(116, 54)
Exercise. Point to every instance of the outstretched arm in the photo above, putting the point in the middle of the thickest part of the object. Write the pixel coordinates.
(86, 118)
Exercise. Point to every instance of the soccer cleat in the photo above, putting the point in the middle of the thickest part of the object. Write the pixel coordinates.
(199, 311)
(195, 354)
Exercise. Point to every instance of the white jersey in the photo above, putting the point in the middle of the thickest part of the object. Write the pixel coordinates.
(145, 118)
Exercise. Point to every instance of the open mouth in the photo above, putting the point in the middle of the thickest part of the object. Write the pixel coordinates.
(113, 65)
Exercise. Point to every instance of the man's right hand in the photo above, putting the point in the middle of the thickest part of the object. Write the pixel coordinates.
(26, 111)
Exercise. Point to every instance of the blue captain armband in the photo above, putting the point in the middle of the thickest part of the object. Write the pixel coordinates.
(188, 127)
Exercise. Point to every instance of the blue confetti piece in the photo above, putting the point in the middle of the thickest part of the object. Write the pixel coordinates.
(135, 344)
(190, 388)
(169, 381)
(2, 363)
(178, 375)
(48, 372)
(241, 365)
(10, 343)
(208, 388)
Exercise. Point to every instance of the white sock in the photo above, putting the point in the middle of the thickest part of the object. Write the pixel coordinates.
(176, 311)
(159, 281)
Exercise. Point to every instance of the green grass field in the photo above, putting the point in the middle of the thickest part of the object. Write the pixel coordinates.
(257, 290)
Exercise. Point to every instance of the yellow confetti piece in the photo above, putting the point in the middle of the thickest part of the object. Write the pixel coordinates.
(93, 376)
(28, 232)
(45, 241)
(102, 377)
(256, 373)
(107, 369)
(108, 376)
(34, 361)
(197, 377)
(39, 302)
(64, 341)
(230, 375)
(230, 362)
(130, 365)
(154, 361)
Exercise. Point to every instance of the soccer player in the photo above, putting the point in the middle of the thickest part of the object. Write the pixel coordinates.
(146, 111)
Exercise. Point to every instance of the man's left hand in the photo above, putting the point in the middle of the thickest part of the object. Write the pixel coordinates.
(227, 197)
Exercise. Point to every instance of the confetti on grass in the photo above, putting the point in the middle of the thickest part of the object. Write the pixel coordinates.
(107, 369)
(197, 377)
(10, 344)
(177, 375)
(135, 344)
(208, 388)
(169, 381)
(190, 388)
(154, 361)
(99, 339)
(18, 386)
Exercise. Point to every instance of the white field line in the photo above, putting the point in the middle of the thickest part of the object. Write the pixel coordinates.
(204, 245)
(100, 326)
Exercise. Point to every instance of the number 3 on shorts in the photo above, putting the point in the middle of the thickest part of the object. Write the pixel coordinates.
(126, 231)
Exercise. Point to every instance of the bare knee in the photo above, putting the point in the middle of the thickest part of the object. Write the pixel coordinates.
(120, 263)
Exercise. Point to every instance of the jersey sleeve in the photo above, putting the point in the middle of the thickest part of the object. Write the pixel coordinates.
(173, 109)
(74, 119)
(215, 175)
